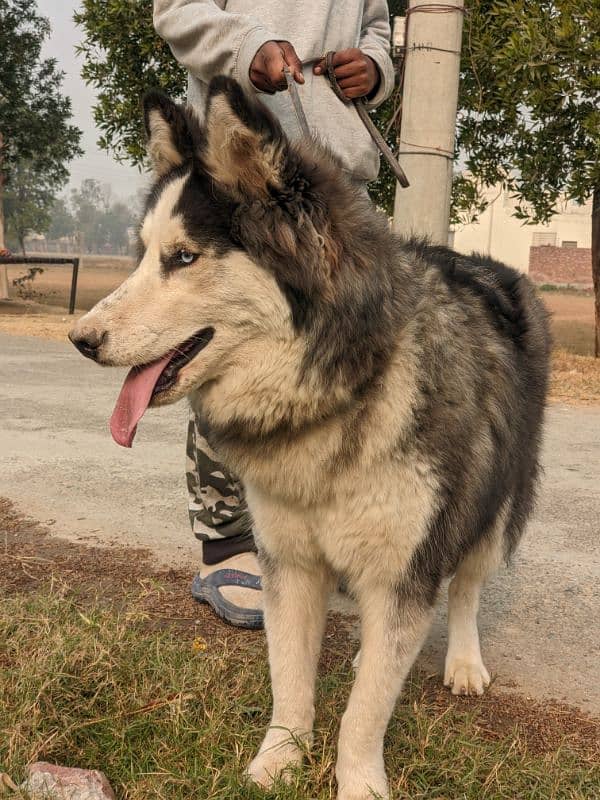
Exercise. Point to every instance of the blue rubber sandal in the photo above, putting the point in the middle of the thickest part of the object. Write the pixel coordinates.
(206, 590)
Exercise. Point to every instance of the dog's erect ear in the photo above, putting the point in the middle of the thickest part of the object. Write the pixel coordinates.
(169, 130)
(245, 147)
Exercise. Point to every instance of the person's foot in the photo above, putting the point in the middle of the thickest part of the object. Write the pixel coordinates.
(232, 589)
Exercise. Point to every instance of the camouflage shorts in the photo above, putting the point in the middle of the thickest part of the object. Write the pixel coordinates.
(217, 506)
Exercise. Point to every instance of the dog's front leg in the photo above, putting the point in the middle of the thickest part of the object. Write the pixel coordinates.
(392, 634)
(295, 603)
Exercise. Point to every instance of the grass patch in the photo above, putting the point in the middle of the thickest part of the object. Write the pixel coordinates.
(166, 715)
(565, 289)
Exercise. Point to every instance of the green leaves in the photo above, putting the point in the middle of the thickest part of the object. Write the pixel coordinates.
(528, 106)
(28, 200)
(34, 119)
(124, 58)
(34, 115)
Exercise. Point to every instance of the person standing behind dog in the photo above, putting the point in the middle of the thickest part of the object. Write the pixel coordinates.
(252, 42)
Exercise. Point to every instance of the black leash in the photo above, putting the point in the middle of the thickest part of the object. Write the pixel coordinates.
(361, 109)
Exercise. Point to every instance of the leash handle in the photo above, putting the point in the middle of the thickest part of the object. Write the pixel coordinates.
(365, 117)
(361, 110)
(330, 69)
(381, 143)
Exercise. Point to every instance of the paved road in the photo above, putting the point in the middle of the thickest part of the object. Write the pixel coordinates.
(540, 620)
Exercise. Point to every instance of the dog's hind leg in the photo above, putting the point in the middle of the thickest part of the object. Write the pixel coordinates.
(392, 633)
(464, 671)
(295, 603)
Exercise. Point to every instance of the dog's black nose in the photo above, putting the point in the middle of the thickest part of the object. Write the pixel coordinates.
(88, 343)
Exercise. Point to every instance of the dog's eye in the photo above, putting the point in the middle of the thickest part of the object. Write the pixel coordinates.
(186, 257)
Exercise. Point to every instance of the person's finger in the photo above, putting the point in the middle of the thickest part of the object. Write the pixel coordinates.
(319, 67)
(351, 83)
(291, 59)
(259, 81)
(352, 88)
(256, 78)
(346, 56)
(350, 70)
(277, 80)
(354, 92)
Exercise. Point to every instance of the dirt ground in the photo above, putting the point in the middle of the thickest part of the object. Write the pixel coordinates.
(32, 559)
(572, 320)
(98, 276)
(45, 314)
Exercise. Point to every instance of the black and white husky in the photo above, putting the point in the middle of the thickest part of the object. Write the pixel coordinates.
(382, 401)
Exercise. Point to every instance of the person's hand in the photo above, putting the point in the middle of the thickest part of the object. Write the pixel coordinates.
(266, 69)
(356, 73)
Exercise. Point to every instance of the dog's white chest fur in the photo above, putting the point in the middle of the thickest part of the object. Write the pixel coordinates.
(365, 514)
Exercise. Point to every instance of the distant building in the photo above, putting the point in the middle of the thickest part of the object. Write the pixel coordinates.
(499, 234)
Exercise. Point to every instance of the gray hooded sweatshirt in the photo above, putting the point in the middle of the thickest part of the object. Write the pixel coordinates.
(221, 37)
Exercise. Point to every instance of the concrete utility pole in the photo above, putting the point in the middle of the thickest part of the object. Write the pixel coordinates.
(3, 268)
(429, 101)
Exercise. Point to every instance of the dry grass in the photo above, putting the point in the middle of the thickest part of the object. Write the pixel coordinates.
(572, 319)
(575, 379)
(107, 664)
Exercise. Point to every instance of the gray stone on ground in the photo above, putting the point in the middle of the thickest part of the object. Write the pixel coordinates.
(52, 782)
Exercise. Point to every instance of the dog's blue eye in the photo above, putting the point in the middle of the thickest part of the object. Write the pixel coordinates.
(186, 257)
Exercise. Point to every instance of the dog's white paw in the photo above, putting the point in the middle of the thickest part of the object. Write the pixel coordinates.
(370, 790)
(274, 763)
(362, 782)
(466, 676)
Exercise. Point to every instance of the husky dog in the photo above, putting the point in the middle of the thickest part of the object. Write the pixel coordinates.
(381, 399)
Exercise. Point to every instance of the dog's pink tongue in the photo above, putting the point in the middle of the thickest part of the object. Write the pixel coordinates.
(133, 400)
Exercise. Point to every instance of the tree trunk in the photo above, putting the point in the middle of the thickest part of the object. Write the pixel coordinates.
(22, 243)
(3, 268)
(596, 265)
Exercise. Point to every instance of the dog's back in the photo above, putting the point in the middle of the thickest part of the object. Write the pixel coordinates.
(484, 343)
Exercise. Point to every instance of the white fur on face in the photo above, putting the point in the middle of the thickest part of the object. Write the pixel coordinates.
(151, 313)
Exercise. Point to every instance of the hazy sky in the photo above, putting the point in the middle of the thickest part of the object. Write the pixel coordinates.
(95, 163)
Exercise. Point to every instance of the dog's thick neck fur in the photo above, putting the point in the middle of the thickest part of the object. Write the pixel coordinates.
(296, 215)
